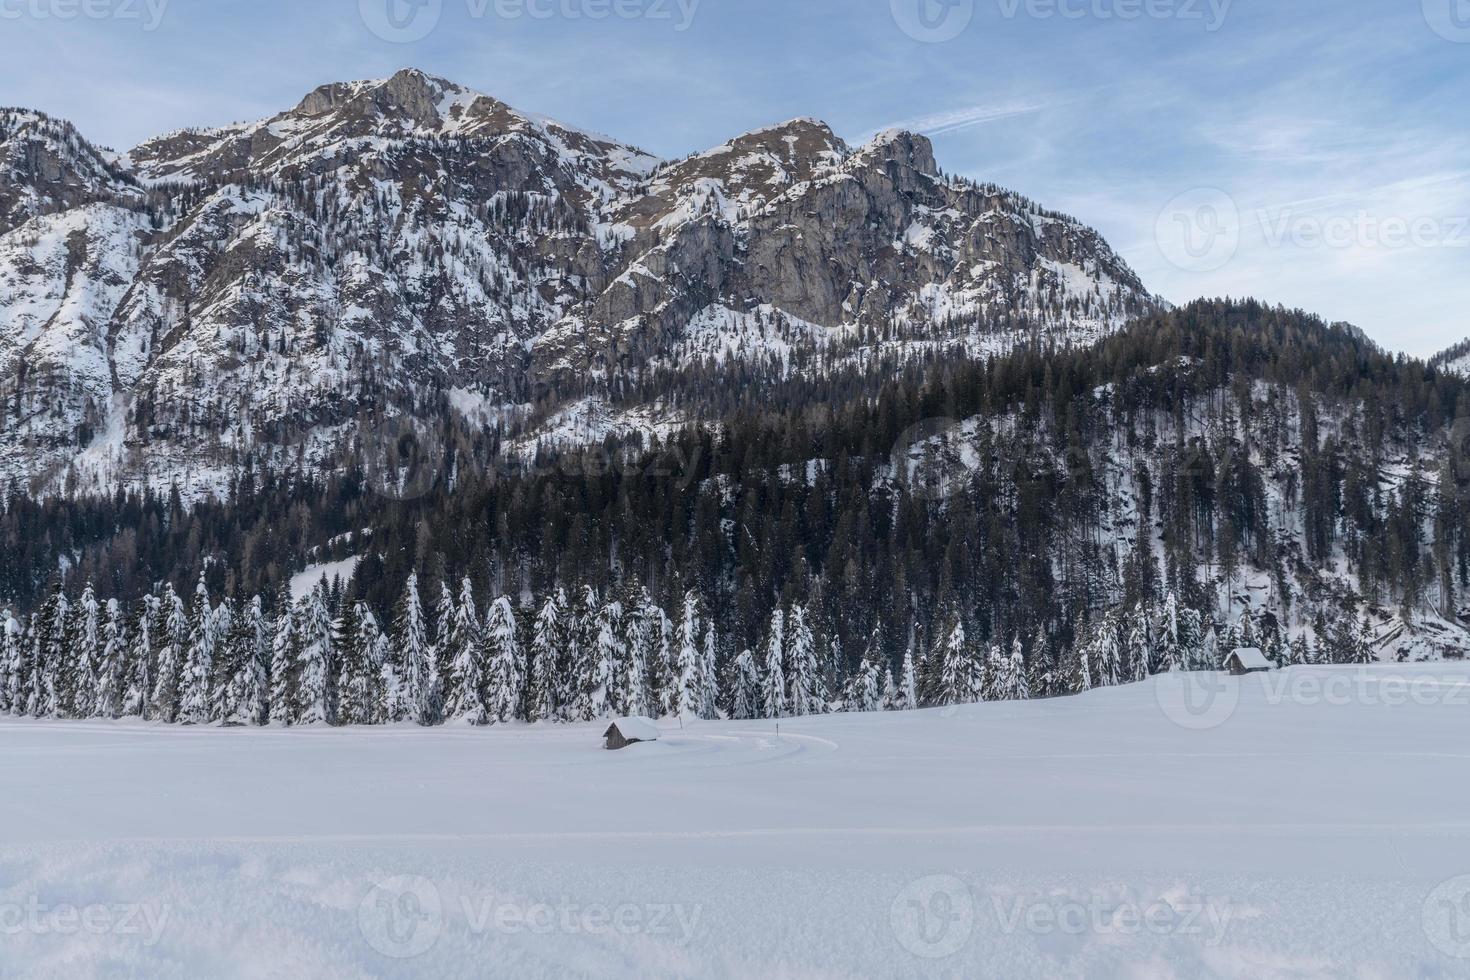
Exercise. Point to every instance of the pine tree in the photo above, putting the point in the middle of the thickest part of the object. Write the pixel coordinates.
(138, 701)
(709, 676)
(285, 662)
(775, 693)
(606, 684)
(84, 654)
(506, 662)
(957, 668)
(688, 688)
(637, 645)
(409, 677)
(196, 683)
(804, 683)
(172, 654)
(908, 685)
(547, 668)
(891, 699)
(12, 663)
(315, 659)
(244, 689)
(745, 688)
(360, 671)
(466, 681)
(112, 671)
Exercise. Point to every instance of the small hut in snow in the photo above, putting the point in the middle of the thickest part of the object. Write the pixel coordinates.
(1247, 660)
(628, 731)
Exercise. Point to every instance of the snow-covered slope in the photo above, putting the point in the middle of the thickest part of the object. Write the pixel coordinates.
(1455, 360)
(406, 246)
(47, 166)
(1298, 824)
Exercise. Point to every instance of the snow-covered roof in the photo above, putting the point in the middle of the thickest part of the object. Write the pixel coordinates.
(1251, 658)
(636, 729)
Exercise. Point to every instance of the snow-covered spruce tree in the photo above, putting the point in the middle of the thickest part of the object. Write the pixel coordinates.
(637, 650)
(581, 656)
(466, 681)
(995, 680)
(890, 690)
(138, 700)
(410, 676)
(172, 657)
(957, 674)
(1167, 649)
(316, 659)
(12, 663)
(547, 645)
(908, 684)
(195, 686)
(49, 657)
(245, 691)
(864, 690)
(358, 673)
(285, 661)
(745, 688)
(112, 668)
(466, 685)
(82, 654)
(709, 676)
(1019, 686)
(606, 685)
(661, 673)
(775, 705)
(1138, 658)
(804, 683)
(688, 699)
(506, 662)
(446, 611)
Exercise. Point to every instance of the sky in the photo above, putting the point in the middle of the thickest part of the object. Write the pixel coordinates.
(1312, 153)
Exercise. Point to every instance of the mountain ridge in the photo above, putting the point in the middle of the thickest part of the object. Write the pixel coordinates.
(395, 249)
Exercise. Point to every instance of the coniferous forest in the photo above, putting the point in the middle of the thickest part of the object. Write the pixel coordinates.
(1037, 524)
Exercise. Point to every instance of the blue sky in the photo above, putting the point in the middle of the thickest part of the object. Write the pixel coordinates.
(1309, 152)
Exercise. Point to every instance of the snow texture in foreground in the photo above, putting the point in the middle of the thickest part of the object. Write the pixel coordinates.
(1311, 823)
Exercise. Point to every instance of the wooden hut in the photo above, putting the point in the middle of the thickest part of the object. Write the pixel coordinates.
(1247, 660)
(630, 731)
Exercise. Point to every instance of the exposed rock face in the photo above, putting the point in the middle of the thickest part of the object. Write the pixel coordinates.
(397, 247)
(46, 167)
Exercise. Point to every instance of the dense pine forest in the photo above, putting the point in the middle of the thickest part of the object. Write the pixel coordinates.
(1051, 517)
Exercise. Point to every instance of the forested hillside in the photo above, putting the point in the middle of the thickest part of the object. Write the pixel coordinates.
(1244, 470)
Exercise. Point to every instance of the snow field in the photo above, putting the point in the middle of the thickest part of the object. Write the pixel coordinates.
(1128, 832)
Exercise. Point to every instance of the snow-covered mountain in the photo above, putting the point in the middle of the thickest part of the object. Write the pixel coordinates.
(408, 247)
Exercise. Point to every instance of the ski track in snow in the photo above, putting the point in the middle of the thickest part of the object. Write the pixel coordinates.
(1296, 839)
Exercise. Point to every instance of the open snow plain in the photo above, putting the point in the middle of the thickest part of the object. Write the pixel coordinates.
(1311, 823)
